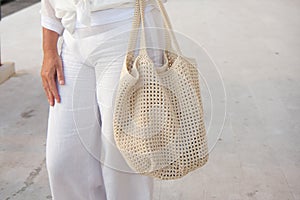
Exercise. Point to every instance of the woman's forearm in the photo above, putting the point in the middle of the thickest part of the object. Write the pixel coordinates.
(50, 39)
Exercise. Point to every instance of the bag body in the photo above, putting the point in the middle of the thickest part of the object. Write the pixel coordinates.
(158, 115)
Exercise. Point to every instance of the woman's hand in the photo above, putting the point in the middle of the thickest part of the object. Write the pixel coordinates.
(52, 68)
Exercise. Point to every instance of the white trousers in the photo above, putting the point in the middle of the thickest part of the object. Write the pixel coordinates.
(82, 160)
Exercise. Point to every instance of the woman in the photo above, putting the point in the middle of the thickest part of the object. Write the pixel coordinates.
(79, 80)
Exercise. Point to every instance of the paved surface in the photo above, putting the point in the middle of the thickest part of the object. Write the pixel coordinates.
(12, 6)
(256, 46)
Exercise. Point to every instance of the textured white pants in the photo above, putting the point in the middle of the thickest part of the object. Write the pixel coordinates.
(82, 160)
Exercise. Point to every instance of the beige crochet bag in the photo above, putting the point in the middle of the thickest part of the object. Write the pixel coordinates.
(158, 115)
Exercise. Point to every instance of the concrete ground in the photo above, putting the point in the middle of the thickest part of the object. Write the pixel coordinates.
(256, 47)
(9, 7)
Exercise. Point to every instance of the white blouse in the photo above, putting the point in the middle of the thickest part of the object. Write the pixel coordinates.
(60, 15)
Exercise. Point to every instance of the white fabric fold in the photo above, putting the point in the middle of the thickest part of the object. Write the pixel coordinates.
(83, 12)
(71, 11)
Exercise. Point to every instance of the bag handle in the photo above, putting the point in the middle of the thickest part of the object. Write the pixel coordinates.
(167, 25)
(139, 19)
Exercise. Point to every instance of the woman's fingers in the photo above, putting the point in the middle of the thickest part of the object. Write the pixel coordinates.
(48, 92)
(60, 73)
(53, 88)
